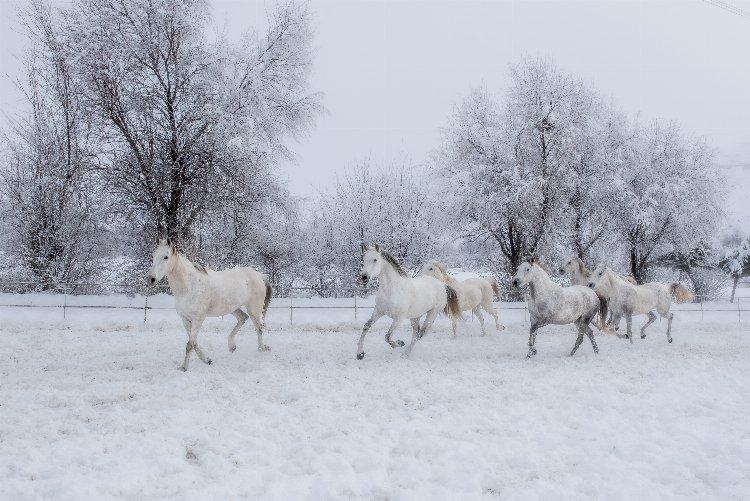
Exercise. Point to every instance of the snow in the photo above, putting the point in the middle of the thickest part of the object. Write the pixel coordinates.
(93, 406)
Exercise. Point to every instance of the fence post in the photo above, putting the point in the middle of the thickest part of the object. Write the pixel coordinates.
(145, 308)
(291, 310)
(65, 304)
(739, 311)
(701, 303)
(355, 306)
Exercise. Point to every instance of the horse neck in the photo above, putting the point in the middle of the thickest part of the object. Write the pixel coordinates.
(389, 279)
(542, 283)
(179, 275)
(612, 282)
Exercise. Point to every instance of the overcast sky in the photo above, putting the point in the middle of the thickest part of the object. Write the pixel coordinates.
(391, 71)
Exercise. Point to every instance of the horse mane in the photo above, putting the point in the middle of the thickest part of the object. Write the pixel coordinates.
(199, 267)
(534, 259)
(392, 261)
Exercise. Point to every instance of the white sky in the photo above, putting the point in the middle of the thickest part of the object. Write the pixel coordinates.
(391, 71)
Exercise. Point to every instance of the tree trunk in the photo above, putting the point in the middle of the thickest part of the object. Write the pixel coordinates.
(735, 281)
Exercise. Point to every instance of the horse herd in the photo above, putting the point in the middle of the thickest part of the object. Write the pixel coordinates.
(200, 293)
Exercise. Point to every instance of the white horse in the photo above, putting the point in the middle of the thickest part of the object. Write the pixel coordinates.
(474, 294)
(552, 304)
(200, 293)
(400, 297)
(626, 299)
(579, 275)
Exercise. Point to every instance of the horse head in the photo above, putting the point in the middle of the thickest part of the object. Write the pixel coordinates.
(162, 260)
(596, 276)
(435, 269)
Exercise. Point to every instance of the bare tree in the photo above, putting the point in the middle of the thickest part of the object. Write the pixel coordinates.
(186, 118)
(49, 190)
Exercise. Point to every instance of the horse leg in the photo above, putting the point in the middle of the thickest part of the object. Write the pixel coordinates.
(629, 323)
(651, 319)
(478, 313)
(415, 326)
(487, 306)
(579, 339)
(429, 319)
(532, 338)
(189, 347)
(388, 334)
(590, 334)
(669, 327)
(257, 318)
(603, 311)
(360, 346)
(241, 317)
(192, 344)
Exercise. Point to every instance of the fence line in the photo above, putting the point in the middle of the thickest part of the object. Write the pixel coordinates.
(291, 307)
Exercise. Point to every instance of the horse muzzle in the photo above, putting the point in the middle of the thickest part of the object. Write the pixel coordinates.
(515, 282)
(151, 280)
(363, 278)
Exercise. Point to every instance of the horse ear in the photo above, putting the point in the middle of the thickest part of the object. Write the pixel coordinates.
(363, 247)
(169, 242)
(533, 259)
(377, 248)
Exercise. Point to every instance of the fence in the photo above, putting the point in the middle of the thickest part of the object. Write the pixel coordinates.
(358, 298)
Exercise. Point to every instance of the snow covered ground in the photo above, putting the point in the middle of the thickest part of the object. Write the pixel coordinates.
(93, 406)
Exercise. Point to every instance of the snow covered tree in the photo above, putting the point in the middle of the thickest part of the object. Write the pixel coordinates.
(667, 196)
(394, 207)
(526, 172)
(188, 120)
(736, 260)
(50, 194)
(700, 266)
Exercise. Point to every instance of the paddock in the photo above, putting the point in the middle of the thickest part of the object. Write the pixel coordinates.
(93, 405)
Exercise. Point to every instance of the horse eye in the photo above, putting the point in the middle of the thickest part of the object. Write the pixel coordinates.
(166, 257)
(600, 273)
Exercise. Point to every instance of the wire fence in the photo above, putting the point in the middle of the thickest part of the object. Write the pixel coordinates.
(359, 300)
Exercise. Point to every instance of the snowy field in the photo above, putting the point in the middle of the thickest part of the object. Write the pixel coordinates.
(93, 406)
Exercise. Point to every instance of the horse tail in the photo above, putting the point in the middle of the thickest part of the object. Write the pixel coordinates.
(681, 293)
(452, 308)
(493, 284)
(267, 300)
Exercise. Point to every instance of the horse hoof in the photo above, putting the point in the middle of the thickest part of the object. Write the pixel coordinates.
(183, 368)
(232, 348)
(670, 340)
(643, 336)
(209, 361)
(400, 343)
(265, 347)
(360, 356)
